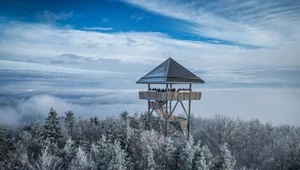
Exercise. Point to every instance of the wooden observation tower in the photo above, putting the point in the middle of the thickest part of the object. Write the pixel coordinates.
(161, 100)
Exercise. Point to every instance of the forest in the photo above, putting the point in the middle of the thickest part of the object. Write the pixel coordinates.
(134, 142)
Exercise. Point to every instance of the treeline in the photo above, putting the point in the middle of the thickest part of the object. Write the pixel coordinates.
(135, 142)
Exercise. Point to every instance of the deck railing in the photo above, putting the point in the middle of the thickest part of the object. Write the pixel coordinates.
(149, 95)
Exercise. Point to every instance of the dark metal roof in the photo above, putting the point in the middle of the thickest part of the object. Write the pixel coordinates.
(170, 72)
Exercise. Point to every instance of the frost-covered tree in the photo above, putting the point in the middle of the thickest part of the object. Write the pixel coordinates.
(135, 122)
(167, 154)
(52, 129)
(127, 134)
(148, 158)
(225, 160)
(80, 137)
(187, 155)
(202, 158)
(97, 155)
(46, 161)
(36, 129)
(95, 121)
(82, 161)
(4, 143)
(124, 115)
(118, 157)
(285, 151)
(67, 153)
(101, 153)
(69, 121)
(153, 139)
(108, 155)
(32, 138)
(17, 158)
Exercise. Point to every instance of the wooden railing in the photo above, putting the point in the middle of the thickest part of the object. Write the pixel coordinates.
(149, 95)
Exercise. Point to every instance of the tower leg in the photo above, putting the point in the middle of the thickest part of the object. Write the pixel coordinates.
(148, 125)
(166, 116)
(189, 115)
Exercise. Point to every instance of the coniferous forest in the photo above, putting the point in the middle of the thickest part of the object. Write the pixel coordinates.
(135, 142)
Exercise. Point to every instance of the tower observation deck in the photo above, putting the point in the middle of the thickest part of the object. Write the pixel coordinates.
(160, 100)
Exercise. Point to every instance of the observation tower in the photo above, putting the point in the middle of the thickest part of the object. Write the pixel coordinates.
(161, 100)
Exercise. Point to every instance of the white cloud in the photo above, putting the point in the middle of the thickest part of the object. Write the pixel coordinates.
(138, 17)
(38, 107)
(15, 65)
(48, 16)
(132, 51)
(98, 28)
(272, 23)
(38, 41)
(279, 106)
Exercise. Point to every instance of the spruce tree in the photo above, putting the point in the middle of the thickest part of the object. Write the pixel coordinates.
(187, 155)
(82, 161)
(148, 158)
(67, 153)
(4, 143)
(167, 154)
(36, 129)
(200, 160)
(118, 157)
(124, 115)
(47, 160)
(225, 160)
(102, 153)
(80, 138)
(52, 129)
(69, 121)
(34, 145)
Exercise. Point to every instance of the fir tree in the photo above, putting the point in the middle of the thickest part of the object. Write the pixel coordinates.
(17, 158)
(80, 138)
(148, 158)
(127, 135)
(47, 161)
(124, 115)
(109, 155)
(4, 143)
(36, 129)
(52, 129)
(82, 161)
(70, 121)
(101, 153)
(34, 141)
(200, 160)
(167, 154)
(67, 153)
(187, 155)
(94, 121)
(118, 157)
(224, 161)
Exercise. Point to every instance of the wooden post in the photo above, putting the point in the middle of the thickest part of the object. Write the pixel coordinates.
(189, 114)
(166, 116)
(148, 114)
(170, 110)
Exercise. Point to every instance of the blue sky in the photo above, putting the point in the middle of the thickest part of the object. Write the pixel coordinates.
(87, 55)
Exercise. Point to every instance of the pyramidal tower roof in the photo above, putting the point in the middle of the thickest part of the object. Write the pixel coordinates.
(170, 72)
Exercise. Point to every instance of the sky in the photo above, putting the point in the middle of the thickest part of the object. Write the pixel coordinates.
(86, 56)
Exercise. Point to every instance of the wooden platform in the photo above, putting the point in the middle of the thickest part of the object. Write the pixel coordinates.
(167, 96)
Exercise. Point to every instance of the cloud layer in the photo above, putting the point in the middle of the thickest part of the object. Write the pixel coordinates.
(251, 22)
(278, 106)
